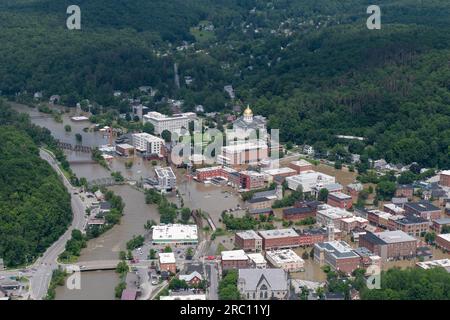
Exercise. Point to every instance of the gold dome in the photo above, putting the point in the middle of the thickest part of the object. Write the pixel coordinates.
(248, 112)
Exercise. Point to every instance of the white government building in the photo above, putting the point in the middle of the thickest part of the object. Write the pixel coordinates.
(162, 122)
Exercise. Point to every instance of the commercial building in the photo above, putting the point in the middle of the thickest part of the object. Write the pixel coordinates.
(193, 279)
(204, 174)
(339, 255)
(444, 178)
(235, 259)
(424, 209)
(301, 166)
(443, 241)
(279, 239)
(309, 237)
(249, 152)
(412, 225)
(248, 240)
(354, 189)
(379, 218)
(166, 178)
(308, 180)
(250, 180)
(340, 200)
(285, 259)
(257, 261)
(280, 173)
(167, 262)
(301, 211)
(367, 258)
(175, 234)
(327, 215)
(393, 209)
(438, 224)
(124, 149)
(389, 244)
(162, 122)
(347, 225)
(146, 143)
(263, 284)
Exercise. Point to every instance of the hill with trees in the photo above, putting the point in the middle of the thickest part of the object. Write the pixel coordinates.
(35, 207)
(311, 66)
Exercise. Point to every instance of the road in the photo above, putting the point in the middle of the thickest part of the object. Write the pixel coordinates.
(213, 281)
(42, 269)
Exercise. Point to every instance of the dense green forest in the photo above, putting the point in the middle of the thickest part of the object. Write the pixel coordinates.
(311, 66)
(30, 219)
(411, 284)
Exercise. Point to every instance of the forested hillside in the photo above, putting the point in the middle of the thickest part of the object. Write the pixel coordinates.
(34, 205)
(311, 66)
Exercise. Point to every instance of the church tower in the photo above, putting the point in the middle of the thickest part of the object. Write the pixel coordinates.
(248, 115)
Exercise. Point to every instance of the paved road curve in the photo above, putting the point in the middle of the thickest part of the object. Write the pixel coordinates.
(45, 265)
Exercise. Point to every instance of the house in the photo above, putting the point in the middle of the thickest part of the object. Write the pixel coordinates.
(55, 99)
(263, 284)
(192, 279)
(444, 178)
(309, 150)
(167, 262)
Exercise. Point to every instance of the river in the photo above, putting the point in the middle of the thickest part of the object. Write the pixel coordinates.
(100, 285)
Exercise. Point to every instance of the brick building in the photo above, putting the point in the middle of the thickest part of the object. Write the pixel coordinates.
(404, 191)
(309, 237)
(411, 225)
(235, 259)
(354, 189)
(167, 262)
(424, 209)
(339, 255)
(438, 224)
(443, 241)
(301, 210)
(340, 200)
(301, 166)
(250, 180)
(279, 239)
(444, 179)
(389, 244)
(248, 240)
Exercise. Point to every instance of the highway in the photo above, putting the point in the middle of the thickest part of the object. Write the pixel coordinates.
(42, 269)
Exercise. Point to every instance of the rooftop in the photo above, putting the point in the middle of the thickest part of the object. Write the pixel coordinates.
(283, 256)
(445, 236)
(301, 163)
(278, 171)
(257, 258)
(278, 233)
(443, 263)
(442, 221)
(166, 172)
(249, 234)
(175, 232)
(340, 196)
(339, 249)
(422, 206)
(167, 257)
(276, 278)
(234, 255)
(333, 212)
(394, 236)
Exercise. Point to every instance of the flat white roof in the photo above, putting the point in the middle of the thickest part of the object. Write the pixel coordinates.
(167, 257)
(184, 297)
(446, 172)
(125, 146)
(148, 137)
(394, 236)
(301, 163)
(162, 117)
(251, 145)
(445, 236)
(209, 169)
(283, 170)
(340, 195)
(283, 256)
(257, 258)
(333, 212)
(381, 214)
(234, 255)
(278, 233)
(248, 234)
(444, 263)
(173, 232)
(355, 219)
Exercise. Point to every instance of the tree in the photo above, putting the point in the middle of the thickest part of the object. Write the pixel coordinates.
(430, 237)
(152, 254)
(323, 195)
(78, 137)
(168, 249)
(185, 215)
(149, 224)
(122, 255)
(149, 128)
(386, 189)
(122, 267)
(67, 128)
(166, 135)
(406, 177)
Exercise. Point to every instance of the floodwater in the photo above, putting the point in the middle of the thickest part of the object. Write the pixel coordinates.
(100, 285)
